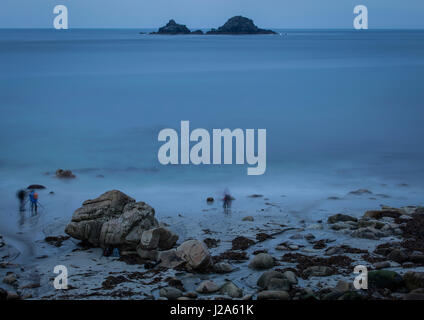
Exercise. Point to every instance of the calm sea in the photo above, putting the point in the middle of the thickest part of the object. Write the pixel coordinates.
(343, 110)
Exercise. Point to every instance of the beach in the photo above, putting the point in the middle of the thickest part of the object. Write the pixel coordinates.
(268, 228)
(94, 102)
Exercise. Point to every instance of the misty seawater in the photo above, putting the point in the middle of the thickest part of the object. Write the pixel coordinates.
(343, 110)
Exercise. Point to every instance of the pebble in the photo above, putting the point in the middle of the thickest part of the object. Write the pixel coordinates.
(266, 277)
(382, 265)
(262, 261)
(207, 286)
(170, 292)
(231, 290)
(281, 248)
(315, 226)
(318, 271)
(191, 295)
(296, 236)
(276, 284)
(273, 295)
(10, 279)
(309, 237)
(223, 267)
(290, 275)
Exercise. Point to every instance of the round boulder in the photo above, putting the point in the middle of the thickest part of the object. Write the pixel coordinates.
(195, 253)
(262, 261)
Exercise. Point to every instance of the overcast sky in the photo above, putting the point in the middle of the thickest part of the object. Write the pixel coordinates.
(211, 13)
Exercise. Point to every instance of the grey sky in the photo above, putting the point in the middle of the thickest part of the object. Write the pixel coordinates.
(211, 13)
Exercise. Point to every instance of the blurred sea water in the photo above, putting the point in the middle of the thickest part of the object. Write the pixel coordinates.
(343, 110)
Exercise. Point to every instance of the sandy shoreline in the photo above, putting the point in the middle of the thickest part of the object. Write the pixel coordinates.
(93, 276)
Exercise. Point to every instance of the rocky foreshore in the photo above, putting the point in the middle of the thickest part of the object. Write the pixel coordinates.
(237, 25)
(115, 248)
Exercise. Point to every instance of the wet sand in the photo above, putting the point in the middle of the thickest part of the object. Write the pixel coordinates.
(93, 276)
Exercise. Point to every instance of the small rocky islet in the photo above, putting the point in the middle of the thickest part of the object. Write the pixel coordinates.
(237, 25)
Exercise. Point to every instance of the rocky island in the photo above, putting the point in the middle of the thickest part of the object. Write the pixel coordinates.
(240, 25)
(174, 28)
(235, 25)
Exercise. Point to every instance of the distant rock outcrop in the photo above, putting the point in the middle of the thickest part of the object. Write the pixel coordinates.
(240, 25)
(200, 32)
(235, 25)
(173, 28)
(60, 173)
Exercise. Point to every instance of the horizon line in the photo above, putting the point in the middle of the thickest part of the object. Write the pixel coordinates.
(287, 28)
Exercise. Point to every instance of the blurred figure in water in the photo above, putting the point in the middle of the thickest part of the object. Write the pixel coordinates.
(227, 201)
(33, 198)
(21, 194)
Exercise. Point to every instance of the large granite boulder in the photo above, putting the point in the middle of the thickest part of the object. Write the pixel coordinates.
(240, 25)
(169, 259)
(195, 253)
(113, 219)
(173, 28)
(158, 238)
